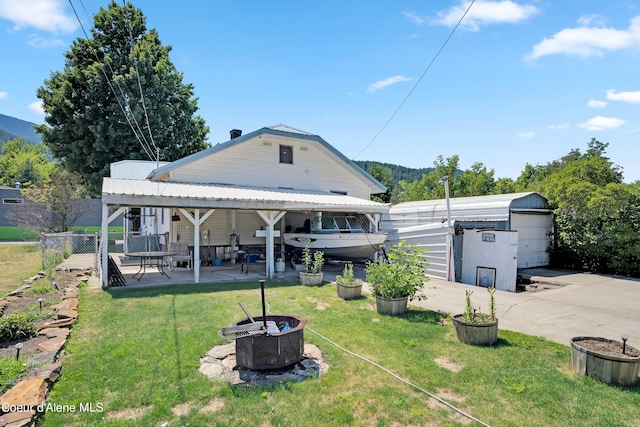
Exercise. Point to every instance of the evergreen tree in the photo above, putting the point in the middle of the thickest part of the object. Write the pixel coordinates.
(119, 97)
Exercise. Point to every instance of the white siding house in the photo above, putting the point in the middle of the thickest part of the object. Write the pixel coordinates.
(246, 184)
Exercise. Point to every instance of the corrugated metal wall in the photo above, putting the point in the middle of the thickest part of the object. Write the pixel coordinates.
(429, 237)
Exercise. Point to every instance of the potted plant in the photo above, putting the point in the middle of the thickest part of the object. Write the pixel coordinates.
(610, 361)
(346, 285)
(475, 327)
(313, 263)
(396, 280)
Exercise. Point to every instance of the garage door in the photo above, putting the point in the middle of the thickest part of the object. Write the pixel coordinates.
(533, 238)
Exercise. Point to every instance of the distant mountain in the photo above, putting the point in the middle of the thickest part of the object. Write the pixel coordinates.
(11, 128)
(399, 172)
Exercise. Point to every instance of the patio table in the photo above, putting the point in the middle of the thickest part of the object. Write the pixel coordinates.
(150, 259)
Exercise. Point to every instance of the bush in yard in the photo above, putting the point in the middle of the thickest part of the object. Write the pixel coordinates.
(16, 326)
(10, 369)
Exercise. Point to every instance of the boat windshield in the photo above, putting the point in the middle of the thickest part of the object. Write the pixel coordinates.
(339, 224)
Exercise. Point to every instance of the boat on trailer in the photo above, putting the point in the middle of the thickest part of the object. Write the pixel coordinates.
(338, 236)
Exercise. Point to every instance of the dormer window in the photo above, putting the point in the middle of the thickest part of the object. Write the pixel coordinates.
(286, 154)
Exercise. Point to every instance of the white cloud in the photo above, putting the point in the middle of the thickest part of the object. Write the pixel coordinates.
(387, 82)
(37, 107)
(3, 95)
(630, 97)
(596, 104)
(526, 135)
(40, 43)
(485, 13)
(412, 16)
(45, 15)
(560, 127)
(592, 20)
(588, 41)
(602, 123)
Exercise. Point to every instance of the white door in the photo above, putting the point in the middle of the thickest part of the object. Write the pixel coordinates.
(534, 236)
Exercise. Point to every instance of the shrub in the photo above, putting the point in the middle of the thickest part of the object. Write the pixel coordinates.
(403, 274)
(16, 326)
(40, 288)
(10, 370)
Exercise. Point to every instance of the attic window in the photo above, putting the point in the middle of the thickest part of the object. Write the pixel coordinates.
(286, 154)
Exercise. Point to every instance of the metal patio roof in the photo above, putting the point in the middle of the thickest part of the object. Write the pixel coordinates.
(144, 192)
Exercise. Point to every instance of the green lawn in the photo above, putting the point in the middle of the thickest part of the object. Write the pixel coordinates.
(18, 234)
(137, 352)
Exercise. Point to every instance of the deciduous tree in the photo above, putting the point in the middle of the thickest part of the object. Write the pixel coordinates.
(54, 206)
(118, 97)
(24, 163)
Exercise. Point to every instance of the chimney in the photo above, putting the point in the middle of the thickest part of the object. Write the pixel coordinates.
(235, 133)
(17, 185)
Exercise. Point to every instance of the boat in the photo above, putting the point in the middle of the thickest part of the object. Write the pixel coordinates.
(338, 236)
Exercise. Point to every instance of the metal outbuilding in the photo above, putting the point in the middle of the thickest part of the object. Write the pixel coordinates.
(425, 223)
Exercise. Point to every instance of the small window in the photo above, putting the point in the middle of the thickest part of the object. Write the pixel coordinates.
(12, 201)
(286, 154)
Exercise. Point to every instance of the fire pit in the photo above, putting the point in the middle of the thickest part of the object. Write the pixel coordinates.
(270, 342)
(272, 350)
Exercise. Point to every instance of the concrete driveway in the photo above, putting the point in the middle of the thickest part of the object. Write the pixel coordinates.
(578, 304)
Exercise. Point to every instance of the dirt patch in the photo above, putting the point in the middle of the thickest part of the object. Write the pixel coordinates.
(180, 410)
(608, 348)
(319, 304)
(128, 414)
(448, 364)
(213, 406)
(453, 399)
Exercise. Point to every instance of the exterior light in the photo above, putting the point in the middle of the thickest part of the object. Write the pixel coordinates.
(18, 347)
(624, 337)
(40, 302)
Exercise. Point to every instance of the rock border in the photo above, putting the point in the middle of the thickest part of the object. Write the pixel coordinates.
(26, 400)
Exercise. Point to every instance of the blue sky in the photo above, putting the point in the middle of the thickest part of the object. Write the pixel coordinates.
(519, 81)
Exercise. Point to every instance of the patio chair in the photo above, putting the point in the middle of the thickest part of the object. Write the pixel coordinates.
(182, 254)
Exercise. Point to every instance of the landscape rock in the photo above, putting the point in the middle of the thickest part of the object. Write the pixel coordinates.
(26, 393)
(219, 364)
(49, 372)
(67, 314)
(55, 332)
(42, 358)
(17, 419)
(52, 344)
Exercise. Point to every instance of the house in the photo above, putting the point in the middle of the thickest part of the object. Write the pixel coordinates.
(493, 235)
(250, 189)
(12, 200)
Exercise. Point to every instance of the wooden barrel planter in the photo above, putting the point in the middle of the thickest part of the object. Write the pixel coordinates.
(349, 292)
(475, 333)
(391, 306)
(603, 359)
(310, 279)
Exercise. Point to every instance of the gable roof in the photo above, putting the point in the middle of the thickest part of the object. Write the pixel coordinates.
(163, 173)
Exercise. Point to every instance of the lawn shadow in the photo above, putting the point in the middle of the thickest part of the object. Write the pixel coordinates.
(197, 288)
(417, 315)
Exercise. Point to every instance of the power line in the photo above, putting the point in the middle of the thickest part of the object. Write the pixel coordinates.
(418, 81)
(135, 62)
(146, 147)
